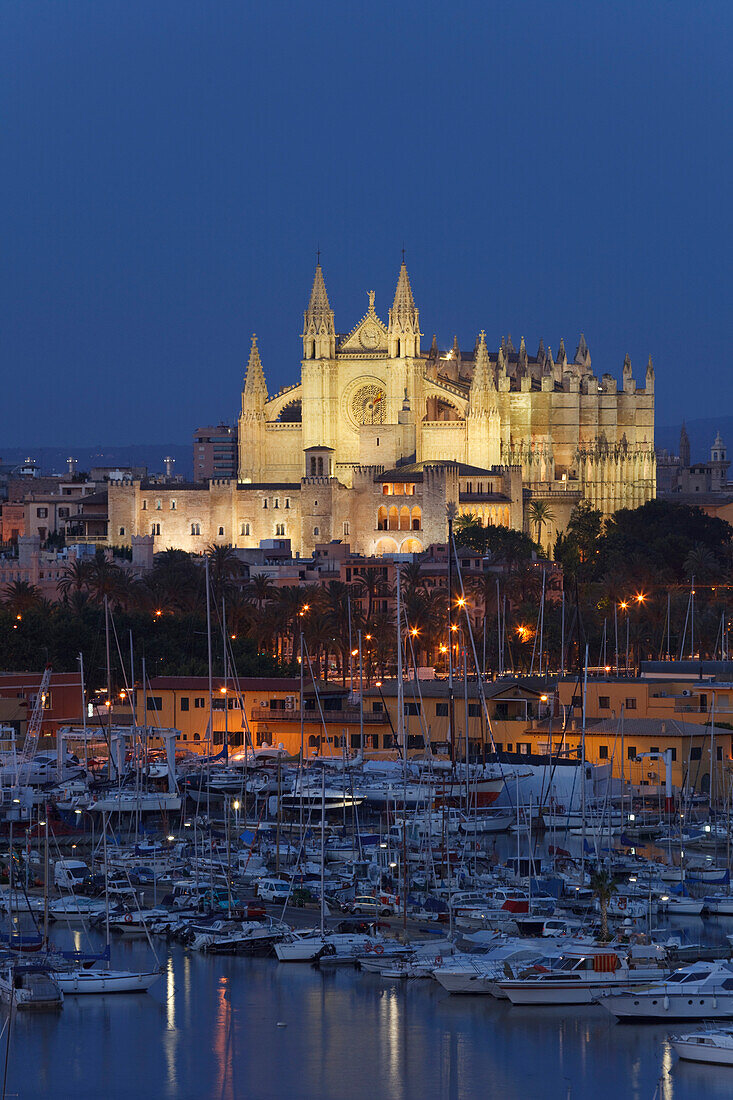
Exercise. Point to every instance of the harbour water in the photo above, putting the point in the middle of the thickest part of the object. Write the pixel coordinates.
(212, 1028)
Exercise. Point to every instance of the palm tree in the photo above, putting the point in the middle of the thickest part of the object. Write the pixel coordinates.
(74, 578)
(224, 567)
(540, 513)
(104, 579)
(261, 589)
(21, 596)
(701, 563)
(175, 582)
(373, 584)
(603, 886)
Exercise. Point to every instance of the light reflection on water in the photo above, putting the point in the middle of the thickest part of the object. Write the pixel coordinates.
(209, 1029)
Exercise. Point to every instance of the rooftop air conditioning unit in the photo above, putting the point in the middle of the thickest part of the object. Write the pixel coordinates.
(687, 692)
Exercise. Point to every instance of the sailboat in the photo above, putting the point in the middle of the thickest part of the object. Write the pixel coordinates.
(80, 975)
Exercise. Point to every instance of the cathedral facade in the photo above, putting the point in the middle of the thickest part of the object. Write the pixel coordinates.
(375, 416)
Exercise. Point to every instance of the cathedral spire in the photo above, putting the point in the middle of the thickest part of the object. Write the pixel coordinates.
(582, 355)
(482, 383)
(319, 333)
(404, 321)
(254, 394)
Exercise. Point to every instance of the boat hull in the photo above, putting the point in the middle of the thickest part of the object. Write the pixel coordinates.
(656, 1009)
(98, 982)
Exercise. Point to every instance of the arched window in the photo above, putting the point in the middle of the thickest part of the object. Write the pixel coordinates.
(416, 519)
(404, 518)
(314, 741)
(394, 522)
(173, 506)
(386, 489)
(346, 528)
(122, 531)
(155, 529)
(158, 505)
(195, 528)
(279, 529)
(382, 519)
(145, 506)
(197, 736)
(244, 529)
(221, 530)
(316, 532)
(264, 503)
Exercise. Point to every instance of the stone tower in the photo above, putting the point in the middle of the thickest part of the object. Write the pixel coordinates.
(684, 446)
(252, 448)
(482, 426)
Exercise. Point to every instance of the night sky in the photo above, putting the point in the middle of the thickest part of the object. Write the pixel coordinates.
(170, 168)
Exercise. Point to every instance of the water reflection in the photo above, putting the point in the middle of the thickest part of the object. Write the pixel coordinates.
(209, 1029)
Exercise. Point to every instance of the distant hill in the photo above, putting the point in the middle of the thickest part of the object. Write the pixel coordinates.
(701, 433)
(54, 459)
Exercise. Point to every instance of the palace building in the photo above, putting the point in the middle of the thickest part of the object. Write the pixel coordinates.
(374, 417)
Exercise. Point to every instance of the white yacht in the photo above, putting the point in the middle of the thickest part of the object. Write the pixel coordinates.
(580, 977)
(700, 991)
(714, 1045)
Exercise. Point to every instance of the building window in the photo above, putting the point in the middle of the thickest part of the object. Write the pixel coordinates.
(604, 702)
(221, 530)
(474, 710)
(155, 529)
(346, 529)
(276, 502)
(264, 503)
(279, 529)
(441, 710)
(154, 702)
(122, 531)
(719, 752)
(184, 703)
(173, 506)
(64, 513)
(316, 532)
(145, 506)
(287, 502)
(631, 751)
(244, 529)
(603, 752)
(673, 753)
(695, 753)
(158, 505)
(631, 704)
(42, 513)
(199, 702)
(195, 528)
(412, 708)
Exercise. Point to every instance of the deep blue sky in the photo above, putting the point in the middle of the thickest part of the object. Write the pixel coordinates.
(170, 167)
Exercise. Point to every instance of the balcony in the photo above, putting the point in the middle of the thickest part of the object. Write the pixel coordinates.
(346, 717)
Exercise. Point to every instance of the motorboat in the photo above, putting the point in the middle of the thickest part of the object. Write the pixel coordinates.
(714, 1045)
(480, 974)
(308, 945)
(131, 802)
(579, 978)
(74, 908)
(29, 986)
(700, 991)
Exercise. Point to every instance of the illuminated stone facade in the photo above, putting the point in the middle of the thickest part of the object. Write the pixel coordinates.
(476, 428)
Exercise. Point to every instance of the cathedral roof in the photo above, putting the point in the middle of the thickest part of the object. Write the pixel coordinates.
(413, 472)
